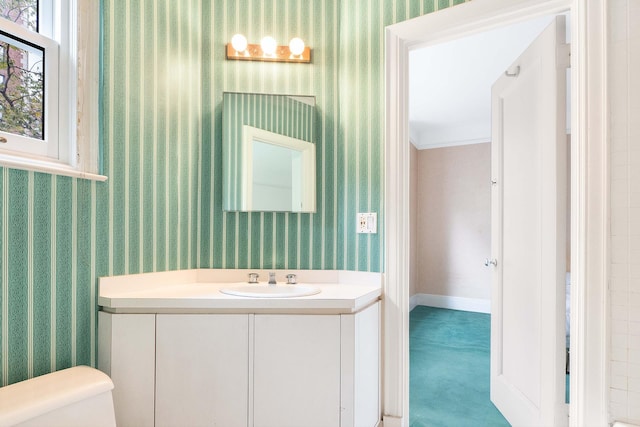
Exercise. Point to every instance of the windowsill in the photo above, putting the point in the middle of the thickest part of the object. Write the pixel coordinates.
(49, 167)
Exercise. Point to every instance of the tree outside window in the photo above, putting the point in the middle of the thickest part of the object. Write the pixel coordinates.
(21, 73)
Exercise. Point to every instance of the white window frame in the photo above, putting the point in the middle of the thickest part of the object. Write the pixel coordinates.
(71, 85)
(48, 146)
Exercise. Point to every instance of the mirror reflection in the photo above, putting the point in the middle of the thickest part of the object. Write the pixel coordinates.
(268, 153)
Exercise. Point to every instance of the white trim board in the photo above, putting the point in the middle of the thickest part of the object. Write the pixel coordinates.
(391, 421)
(589, 194)
(484, 140)
(475, 305)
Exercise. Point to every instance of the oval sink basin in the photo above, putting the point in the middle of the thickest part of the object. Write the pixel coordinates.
(267, 291)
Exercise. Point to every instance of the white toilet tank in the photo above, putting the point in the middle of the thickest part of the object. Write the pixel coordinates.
(74, 397)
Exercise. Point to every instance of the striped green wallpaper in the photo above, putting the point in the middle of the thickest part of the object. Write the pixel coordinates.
(268, 240)
(163, 77)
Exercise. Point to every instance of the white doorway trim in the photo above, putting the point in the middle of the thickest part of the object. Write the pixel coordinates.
(589, 192)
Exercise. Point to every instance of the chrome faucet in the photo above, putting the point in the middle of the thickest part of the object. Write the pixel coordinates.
(272, 278)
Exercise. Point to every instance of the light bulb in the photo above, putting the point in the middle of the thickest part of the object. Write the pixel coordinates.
(296, 46)
(239, 43)
(268, 45)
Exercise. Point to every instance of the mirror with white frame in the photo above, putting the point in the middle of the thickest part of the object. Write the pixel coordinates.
(268, 154)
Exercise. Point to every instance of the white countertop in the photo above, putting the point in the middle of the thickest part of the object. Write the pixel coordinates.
(198, 291)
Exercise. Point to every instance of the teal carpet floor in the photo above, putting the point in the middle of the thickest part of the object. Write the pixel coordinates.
(449, 366)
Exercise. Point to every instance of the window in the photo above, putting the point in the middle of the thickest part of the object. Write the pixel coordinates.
(1, 83)
(39, 124)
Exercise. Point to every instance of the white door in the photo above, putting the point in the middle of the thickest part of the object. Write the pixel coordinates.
(528, 233)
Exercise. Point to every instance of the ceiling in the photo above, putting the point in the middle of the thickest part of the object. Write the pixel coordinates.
(450, 84)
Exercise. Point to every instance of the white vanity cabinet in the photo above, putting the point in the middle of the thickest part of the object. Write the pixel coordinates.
(255, 370)
(243, 362)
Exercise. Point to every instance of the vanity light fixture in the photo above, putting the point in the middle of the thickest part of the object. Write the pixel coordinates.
(239, 43)
(268, 45)
(296, 46)
(268, 50)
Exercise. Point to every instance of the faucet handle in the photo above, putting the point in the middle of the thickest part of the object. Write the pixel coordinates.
(253, 277)
(291, 279)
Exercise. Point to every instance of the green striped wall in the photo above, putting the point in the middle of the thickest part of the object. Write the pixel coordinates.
(359, 163)
(269, 240)
(164, 73)
(279, 114)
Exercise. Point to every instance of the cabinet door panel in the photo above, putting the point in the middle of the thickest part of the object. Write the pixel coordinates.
(296, 371)
(126, 349)
(202, 370)
(360, 351)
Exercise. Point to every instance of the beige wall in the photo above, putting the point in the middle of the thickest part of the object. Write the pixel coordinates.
(413, 201)
(453, 221)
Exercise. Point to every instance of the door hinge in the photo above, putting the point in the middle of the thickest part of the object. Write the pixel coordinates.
(514, 73)
(488, 262)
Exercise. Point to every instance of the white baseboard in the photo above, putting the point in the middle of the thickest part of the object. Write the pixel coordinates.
(390, 421)
(413, 301)
(454, 303)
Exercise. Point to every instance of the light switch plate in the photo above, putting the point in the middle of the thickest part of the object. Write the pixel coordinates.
(367, 223)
